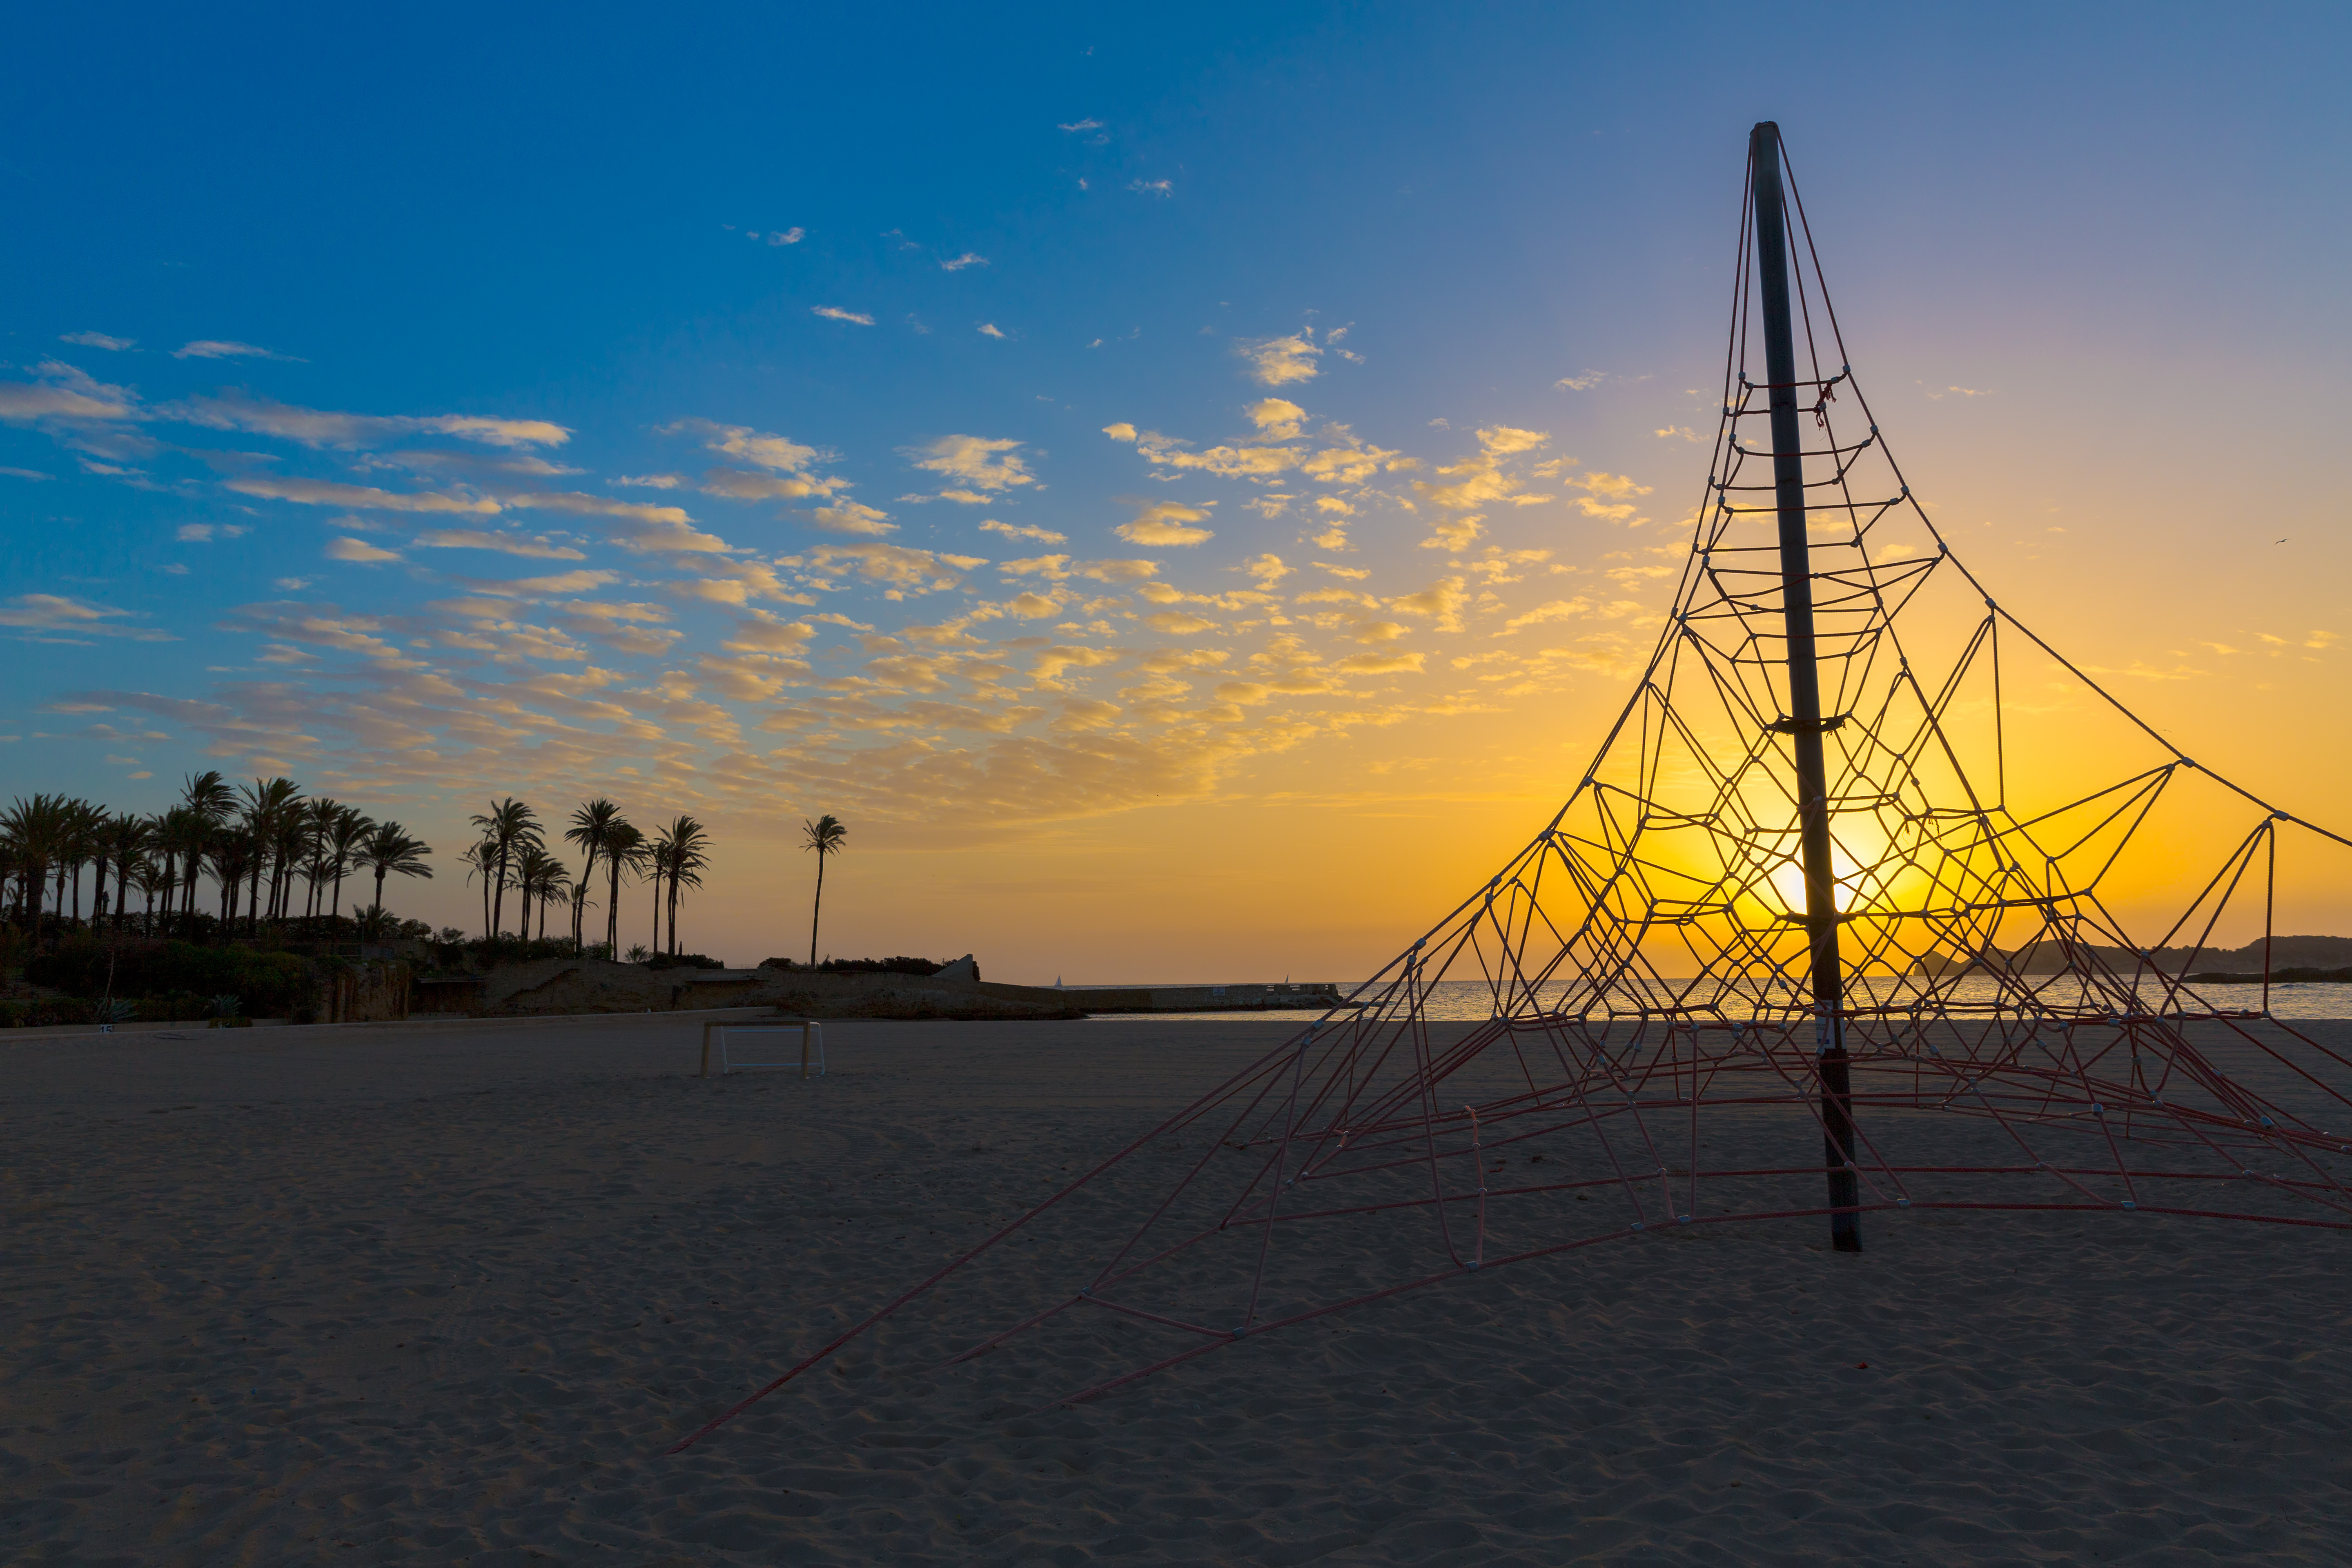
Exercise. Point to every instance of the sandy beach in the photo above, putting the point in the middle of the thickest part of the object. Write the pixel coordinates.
(446, 1293)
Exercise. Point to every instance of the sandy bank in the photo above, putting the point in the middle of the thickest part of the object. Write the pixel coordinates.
(443, 1293)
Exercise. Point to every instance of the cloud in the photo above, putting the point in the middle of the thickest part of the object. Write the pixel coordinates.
(968, 258)
(1276, 418)
(1503, 439)
(323, 428)
(66, 393)
(1153, 188)
(215, 348)
(779, 453)
(1570, 610)
(836, 313)
(899, 566)
(1442, 601)
(26, 474)
(1585, 383)
(974, 460)
(1278, 362)
(1024, 530)
(649, 481)
(1178, 623)
(1225, 462)
(792, 235)
(1377, 663)
(1082, 125)
(1117, 571)
(57, 613)
(97, 341)
(989, 330)
(1266, 569)
(325, 492)
(345, 548)
(738, 484)
(1164, 523)
(504, 543)
(853, 517)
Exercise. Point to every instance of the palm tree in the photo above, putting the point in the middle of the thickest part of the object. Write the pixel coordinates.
(825, 836)
(684, 845)
(541, 876)
(510, 824)
(208, 801)
(654, 866)
(129, 840)
(267, 807)
(34, 830)
(388, 848)
(625, 851)
(592, 830)
(482, 860)
(344, 836)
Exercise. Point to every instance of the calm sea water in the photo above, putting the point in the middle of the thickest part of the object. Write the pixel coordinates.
(1470, 1000)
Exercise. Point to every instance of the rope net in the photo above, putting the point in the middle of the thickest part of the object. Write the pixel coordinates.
(1616, 1034)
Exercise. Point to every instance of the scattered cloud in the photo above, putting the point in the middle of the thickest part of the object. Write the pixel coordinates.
(836, 313)
(853, 517)
(1088, 124)
(1276, 418)
(1165, 523)
(323, 428)
(975, 461)
(958, 263)
(503, 544)
(344, 547)
(1278, 362)
(1584, 383)
(1024, 530)
(325, 493)
(97, 341)
(989, 330)
(1153, 188)
(57, 614)
(649, 481)
(217, 348)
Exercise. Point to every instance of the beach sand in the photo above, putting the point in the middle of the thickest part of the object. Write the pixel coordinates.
(444, 1294)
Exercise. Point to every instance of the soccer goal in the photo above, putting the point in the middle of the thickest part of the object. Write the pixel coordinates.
(812, 1034)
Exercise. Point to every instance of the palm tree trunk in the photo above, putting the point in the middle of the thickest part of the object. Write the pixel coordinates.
(613, 908)
(499, 899)
(816, 913)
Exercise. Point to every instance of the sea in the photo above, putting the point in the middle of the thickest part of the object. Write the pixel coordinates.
(1471, 1000)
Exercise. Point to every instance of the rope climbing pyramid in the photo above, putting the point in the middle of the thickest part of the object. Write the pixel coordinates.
(1869, 902)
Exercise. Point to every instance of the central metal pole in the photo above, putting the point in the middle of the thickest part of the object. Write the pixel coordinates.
(1805, 722)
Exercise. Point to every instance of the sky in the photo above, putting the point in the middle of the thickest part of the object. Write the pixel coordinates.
(1190, 487)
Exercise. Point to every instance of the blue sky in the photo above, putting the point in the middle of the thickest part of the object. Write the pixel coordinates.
(1031, 429)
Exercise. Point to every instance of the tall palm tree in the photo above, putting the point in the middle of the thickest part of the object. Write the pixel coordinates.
(350, 828)
(592, 830)
(35, 829)
(266, 805)
(654, 864)
(686, 845)
(129, 840)
(209, 801)
(78, 844)
(825, 836)
(388, 848)
(625, 851)
(510, 824)
(540, 877)
(482, 860)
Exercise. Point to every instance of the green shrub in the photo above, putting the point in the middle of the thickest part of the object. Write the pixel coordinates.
(274, 984)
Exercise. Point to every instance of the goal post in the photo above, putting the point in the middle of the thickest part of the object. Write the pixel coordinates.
(810, 1031)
